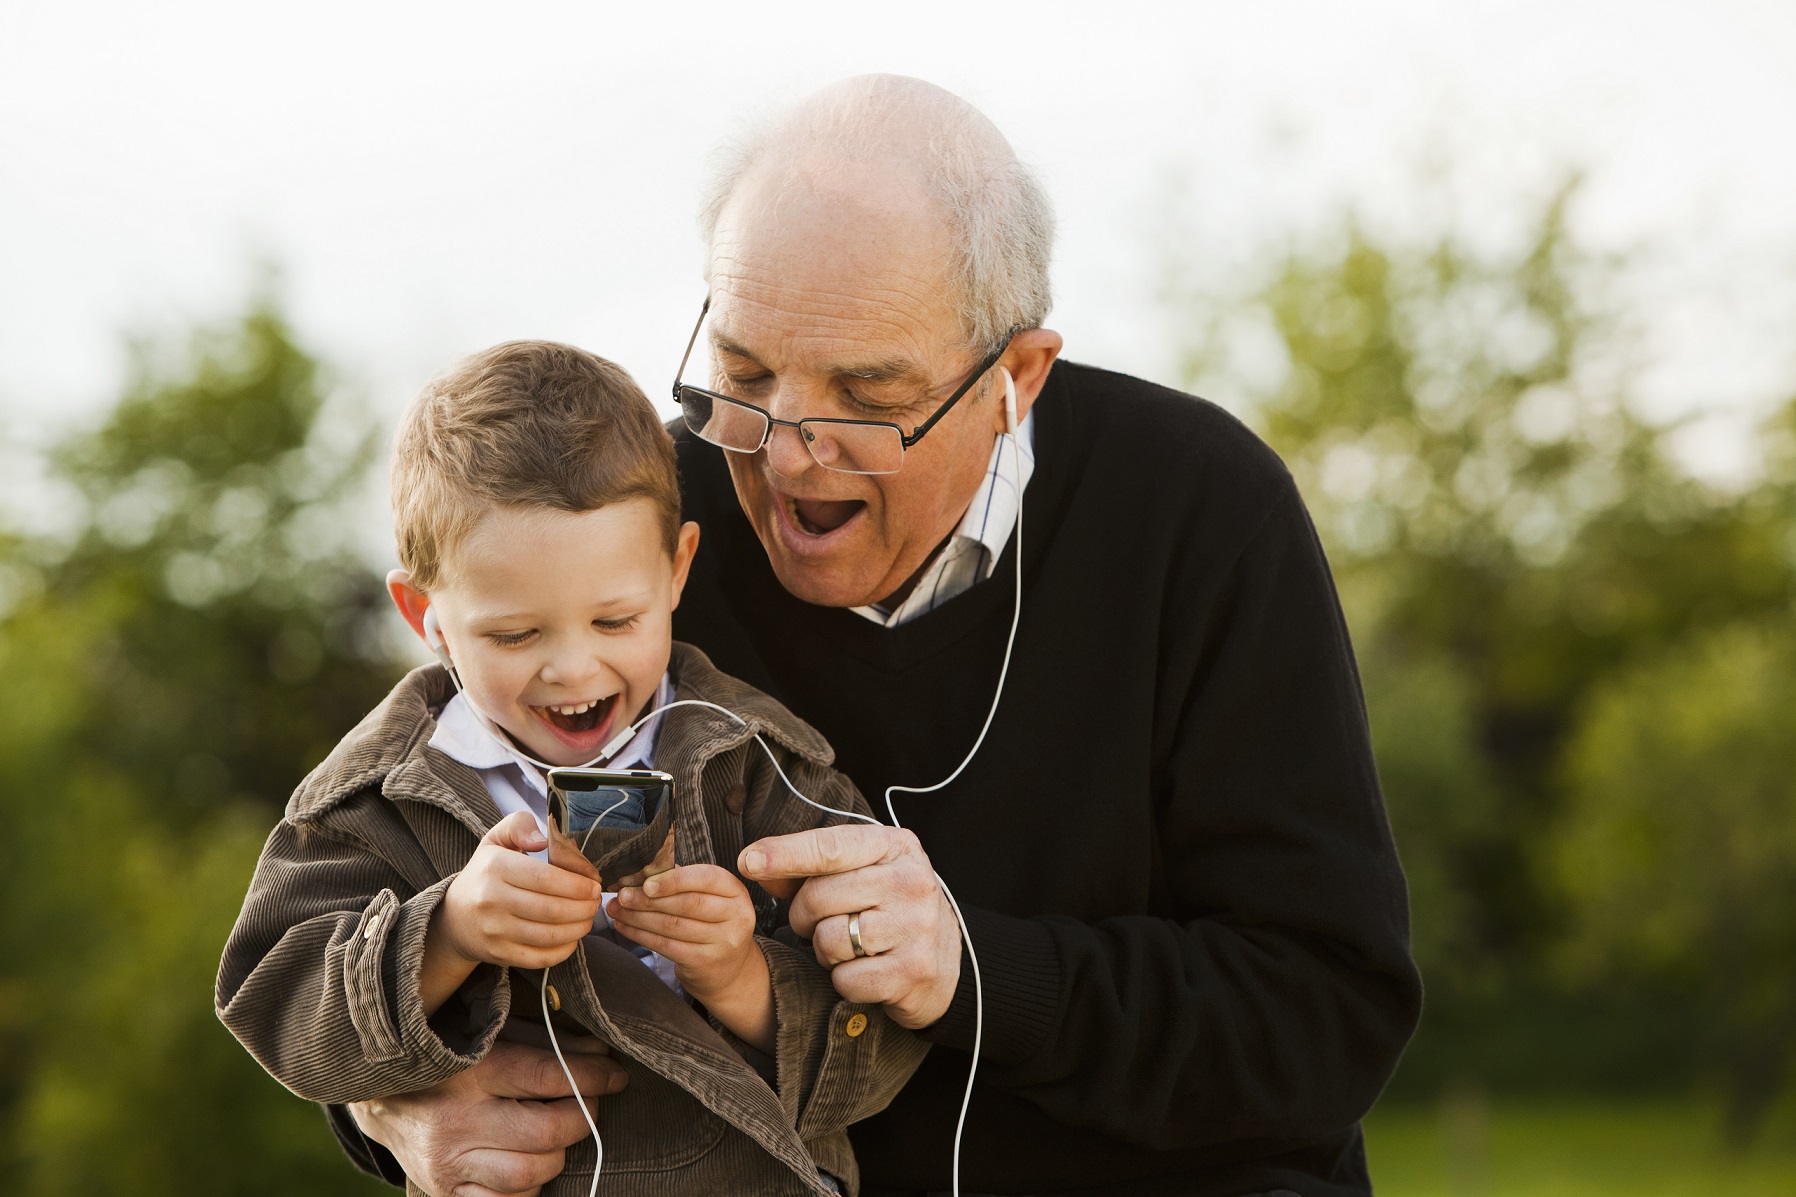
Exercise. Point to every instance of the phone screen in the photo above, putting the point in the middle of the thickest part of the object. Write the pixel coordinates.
(618, 819)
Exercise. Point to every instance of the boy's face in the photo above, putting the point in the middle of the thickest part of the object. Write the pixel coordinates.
(560, 625)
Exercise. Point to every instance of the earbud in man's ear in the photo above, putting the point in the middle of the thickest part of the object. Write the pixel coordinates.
(1009, 401)
(433, 637)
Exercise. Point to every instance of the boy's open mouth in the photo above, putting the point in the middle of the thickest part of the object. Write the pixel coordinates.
(577, 718)
(819, 517)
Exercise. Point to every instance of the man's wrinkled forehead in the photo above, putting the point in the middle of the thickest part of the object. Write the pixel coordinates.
(835, 275)
(824, 230)
(839, 357)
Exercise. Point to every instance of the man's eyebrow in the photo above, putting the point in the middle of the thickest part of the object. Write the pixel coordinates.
(890, 370)
(723, 344)
(895, 369)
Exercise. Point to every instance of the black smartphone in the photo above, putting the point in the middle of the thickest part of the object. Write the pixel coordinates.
(618, 819)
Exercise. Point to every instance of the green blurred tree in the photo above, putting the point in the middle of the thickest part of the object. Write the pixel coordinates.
(174, 667)
(1680, 848)
(1507, 533)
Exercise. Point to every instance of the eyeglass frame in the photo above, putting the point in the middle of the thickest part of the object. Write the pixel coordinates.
(906, 440)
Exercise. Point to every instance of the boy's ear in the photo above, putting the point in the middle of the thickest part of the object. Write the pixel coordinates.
(685, 548)
(411, 601)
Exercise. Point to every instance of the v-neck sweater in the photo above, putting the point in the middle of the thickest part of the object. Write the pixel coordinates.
(1172, 850)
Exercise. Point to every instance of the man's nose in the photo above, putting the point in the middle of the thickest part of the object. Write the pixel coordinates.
(787, 454)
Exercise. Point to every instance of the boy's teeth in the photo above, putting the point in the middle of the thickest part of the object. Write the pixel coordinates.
(581, 709)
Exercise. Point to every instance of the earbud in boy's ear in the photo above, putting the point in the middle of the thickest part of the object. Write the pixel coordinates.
(1009, 401)
(433, 637)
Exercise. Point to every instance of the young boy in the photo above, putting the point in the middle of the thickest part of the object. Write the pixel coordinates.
(537, 515)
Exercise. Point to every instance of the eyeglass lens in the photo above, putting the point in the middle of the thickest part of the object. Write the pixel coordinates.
(845, 445)
(726, 424)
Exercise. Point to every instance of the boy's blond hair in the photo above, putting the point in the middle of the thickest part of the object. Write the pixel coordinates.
(524, 424)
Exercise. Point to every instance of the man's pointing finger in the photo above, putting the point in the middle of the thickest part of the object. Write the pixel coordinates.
(818, 852)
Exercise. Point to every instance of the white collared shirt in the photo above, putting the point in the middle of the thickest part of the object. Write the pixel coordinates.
(515, 784)
(972, 553)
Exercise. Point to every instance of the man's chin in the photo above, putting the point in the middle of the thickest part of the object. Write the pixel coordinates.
(820, 583)
(823, 580)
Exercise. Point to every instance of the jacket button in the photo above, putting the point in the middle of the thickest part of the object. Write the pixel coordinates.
(372, 927)
(856, 1024)
(554, 999)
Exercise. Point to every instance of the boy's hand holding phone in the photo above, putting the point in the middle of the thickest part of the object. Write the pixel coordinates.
(700, 917)
(508, 908)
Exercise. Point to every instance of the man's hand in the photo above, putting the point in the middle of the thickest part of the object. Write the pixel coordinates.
(471, 1137)
(906, 925)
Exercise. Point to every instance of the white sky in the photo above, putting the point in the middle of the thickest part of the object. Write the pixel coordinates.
(433, 178)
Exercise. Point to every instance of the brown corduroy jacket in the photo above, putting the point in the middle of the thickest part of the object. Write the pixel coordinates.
(320, 976)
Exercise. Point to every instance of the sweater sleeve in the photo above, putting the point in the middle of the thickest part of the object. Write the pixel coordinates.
(320, 975)
(837, 1062)
(1277, 999)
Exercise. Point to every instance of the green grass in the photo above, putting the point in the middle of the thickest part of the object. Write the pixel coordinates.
(1468, 1147)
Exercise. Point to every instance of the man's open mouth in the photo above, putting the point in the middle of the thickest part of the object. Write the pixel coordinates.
(820, 517)
(576, 718)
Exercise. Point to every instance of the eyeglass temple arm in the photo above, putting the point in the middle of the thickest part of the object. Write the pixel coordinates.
(681, 372)
(991, 360)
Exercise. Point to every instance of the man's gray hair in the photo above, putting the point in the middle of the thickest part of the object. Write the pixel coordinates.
(997, 212)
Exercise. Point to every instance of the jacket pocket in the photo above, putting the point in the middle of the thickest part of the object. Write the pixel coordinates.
(364, 979)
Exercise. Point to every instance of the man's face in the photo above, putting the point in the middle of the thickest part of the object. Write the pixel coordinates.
(837, 306)
(560, 624)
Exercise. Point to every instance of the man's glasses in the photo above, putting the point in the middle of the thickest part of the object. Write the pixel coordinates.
(851, 446)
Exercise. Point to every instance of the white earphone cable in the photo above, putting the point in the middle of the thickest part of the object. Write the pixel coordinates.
(598, 1163)
(1016, 455)
(1016, 618)
(953, 904)
(618, 742)
(612, 749)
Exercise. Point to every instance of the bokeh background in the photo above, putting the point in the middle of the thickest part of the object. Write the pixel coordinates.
(1512, 286)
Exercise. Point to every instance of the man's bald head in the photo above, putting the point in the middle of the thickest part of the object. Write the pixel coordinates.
(891, 153)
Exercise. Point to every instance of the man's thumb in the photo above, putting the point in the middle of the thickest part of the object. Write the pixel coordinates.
(518, 831)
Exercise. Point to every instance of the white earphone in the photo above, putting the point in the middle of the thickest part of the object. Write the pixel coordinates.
(1009, 401)
(433, 639)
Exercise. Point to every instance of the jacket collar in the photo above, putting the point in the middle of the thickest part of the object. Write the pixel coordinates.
(692, 735)
(389, 749)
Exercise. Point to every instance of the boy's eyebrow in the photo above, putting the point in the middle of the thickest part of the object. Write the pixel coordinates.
(890, 370)
(480, 618)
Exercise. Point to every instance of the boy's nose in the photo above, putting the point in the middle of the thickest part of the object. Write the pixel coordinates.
(572, 668)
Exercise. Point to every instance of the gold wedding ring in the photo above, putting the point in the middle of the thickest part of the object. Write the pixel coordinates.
(854, 934)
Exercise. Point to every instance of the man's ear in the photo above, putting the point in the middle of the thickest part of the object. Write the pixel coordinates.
(685, 548)
(1029, 357)
(411, 601)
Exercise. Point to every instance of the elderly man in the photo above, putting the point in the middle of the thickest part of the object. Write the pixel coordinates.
(1178, 882)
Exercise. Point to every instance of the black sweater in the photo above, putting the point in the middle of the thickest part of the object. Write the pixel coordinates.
(1172, 851)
